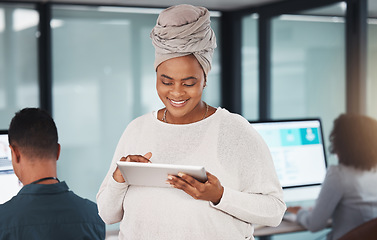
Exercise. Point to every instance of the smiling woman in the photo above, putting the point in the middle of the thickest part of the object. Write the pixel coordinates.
(180, 84)
(242, 187)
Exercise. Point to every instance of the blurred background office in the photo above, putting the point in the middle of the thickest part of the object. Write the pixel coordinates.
(91, 66)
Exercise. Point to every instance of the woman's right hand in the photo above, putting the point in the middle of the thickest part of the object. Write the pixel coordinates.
(117, 175)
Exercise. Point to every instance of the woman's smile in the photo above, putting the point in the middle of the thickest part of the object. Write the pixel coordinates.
(175, 103)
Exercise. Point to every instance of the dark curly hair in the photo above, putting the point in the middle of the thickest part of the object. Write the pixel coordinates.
(354, 140)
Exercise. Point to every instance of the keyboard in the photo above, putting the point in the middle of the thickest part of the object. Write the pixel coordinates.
(290, 217)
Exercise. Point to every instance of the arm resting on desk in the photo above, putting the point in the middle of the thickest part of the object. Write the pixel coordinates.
(328, 199)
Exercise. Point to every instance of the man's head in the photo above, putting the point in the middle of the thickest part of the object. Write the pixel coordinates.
(33, 133)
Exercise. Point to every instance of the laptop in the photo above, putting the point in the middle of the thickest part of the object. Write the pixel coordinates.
(9, 183)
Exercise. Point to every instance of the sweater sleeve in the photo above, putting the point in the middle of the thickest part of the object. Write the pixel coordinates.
(328, 199)
(111, 193)
(259, 199)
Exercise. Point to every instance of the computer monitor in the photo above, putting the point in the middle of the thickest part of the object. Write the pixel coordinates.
(298, 153)
(9, 183)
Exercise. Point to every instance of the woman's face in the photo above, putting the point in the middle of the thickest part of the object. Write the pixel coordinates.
(180, 83)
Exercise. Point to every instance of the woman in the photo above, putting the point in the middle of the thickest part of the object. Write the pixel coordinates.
(349, 195)
(242, 187)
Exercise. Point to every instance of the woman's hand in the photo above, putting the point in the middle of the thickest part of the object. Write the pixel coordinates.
(212, 190)
(294, 209)
(117, 175)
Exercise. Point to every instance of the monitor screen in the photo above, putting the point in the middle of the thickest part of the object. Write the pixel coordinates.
(9, 183)
(298, 152)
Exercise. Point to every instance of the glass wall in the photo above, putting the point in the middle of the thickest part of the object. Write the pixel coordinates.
(103, 77)
(18, 60)
(308, 68)
(372, 60)
(250, 83)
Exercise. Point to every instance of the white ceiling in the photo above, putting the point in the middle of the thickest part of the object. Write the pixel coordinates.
(221, 5)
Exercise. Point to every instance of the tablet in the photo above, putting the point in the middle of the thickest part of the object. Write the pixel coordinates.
(156, 174)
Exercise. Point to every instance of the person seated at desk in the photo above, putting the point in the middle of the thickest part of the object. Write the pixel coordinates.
(349, 194)
(44, 208)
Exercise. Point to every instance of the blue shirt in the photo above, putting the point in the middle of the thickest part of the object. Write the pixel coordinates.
(50, 211)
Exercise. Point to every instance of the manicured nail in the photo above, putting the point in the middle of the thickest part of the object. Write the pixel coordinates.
(170, 177)
(181, 174)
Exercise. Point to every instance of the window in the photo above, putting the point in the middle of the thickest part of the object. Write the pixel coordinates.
(308, 67)
(18, 60)
(372, 60)
(249, 51)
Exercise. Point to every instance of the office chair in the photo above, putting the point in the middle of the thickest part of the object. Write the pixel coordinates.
(366, 231)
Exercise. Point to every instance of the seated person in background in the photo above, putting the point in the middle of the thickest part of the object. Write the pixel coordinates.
(44, 208)
(349, 193)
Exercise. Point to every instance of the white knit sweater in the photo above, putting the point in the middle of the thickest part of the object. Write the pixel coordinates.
(229, 148)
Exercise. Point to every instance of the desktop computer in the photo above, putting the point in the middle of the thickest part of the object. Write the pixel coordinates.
(298, 153)
(9, 183)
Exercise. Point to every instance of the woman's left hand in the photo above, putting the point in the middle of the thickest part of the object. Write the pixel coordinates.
(211, 190)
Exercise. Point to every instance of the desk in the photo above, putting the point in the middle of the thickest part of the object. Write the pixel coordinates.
(265, 233)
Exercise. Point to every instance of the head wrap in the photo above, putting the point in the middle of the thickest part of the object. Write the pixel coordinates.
(183, 30)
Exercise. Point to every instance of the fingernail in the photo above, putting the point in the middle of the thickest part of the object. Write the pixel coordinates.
(180, 174)
(170, 177)
(170, 183)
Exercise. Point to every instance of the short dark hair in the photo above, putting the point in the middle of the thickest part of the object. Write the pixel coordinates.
(354, 140)
(34, 132)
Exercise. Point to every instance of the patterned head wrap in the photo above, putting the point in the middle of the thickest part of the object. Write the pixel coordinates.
(183, 30)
